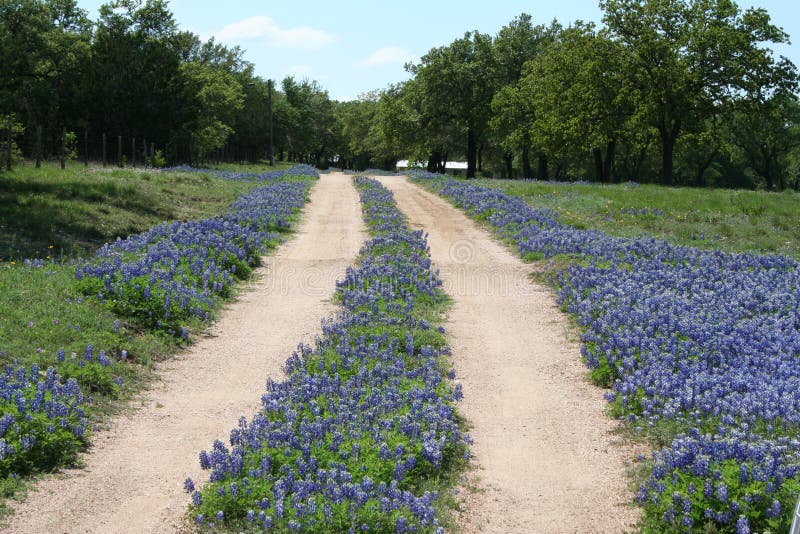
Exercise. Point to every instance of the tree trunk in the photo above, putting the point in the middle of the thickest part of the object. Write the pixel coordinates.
(767, 169)
(781, 174)
(700, 178)
(610, 148)
(434, 161)
(542, 166)
(64, 147)
(527, 172)
(8, 147)
(668, 138)
(38, 146)
(509, 161)
(598, 164)
(472, 153)
(667, 151)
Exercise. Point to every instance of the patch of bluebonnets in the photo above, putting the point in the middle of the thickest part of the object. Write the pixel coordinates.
(362, 420)
(177, 270)
(296, 170)
(43, 419)
(699, 345)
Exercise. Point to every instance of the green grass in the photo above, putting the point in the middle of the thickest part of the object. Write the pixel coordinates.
(729, 220)
(40, 314)
(44, 313)
(48, 212)
(252, 167)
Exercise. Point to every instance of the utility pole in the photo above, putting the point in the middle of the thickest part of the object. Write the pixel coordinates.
(271, 153)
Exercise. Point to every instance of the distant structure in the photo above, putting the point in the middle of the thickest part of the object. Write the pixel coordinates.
(455, 168)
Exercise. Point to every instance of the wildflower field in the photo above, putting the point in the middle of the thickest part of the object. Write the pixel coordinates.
(695, 334)
(699, 350)
(78, 334)
(362, 435)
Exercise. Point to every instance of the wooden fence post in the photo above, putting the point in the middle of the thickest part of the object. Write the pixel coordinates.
(8, 147)
(86, 146)
(119, 151)
(64, 147)
(133, 152)
(144, 152)
(38, 146)
(104, 150)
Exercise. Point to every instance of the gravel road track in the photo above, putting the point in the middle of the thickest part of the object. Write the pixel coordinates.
(133, 477)
(545, 458)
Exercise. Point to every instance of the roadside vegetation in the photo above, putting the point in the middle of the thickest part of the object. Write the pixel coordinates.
(697, 350)
(48, 213)
(722, 219)
(78, 334)
(678, 93)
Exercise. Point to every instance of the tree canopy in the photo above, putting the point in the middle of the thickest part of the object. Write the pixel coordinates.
(676, 91)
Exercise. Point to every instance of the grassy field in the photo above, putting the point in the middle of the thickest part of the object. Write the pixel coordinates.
(48, 212)
(252, 167)
(730, 220)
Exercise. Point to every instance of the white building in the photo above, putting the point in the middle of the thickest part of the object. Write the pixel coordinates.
(452, 167)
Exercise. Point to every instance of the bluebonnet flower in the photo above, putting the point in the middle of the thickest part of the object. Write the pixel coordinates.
(742, 525)
(32, 407)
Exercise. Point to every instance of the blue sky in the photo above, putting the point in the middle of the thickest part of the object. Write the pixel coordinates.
(354, 46)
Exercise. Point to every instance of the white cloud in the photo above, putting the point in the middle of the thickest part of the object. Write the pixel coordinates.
(388, 56)
(299, 71)
(263, 27)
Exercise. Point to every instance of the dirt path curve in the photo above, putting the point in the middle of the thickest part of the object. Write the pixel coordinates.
(544, 454)
(134, 472)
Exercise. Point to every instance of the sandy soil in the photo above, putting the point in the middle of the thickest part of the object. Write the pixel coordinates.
(546, 458)
(134, 473)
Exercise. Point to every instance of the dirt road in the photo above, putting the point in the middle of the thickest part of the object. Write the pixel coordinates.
(133, 479)
(545, 456)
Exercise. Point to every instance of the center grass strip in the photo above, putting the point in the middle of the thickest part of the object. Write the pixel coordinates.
(363, 433)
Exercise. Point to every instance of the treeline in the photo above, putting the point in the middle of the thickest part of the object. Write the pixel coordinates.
(134, 75)
(681, 92)
(676, 91)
